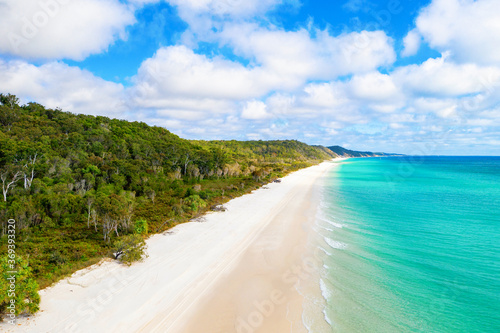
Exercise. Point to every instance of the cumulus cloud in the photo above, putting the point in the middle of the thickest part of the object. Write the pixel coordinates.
(255, 110)
(297, 56)
(58, 85)
(61, 29)
(178, 71)
(281, 62)
(324, 95)
(305, 84)
(469, 29)
(441, 77)
(411, 43)
(373, 86)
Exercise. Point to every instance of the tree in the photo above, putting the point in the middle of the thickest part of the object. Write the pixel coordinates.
(219, 157)
(128, 209)
(186, 162)
(90, 201)
(9, 100)
(9, 179)
(129, 249)
(19, 289)
(109, 213)
(7, 117)
(29, 170)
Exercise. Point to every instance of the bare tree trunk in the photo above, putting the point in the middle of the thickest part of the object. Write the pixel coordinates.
(186, 162)
(90, 201)
(6, 185)
(30, 168)
(94, 218)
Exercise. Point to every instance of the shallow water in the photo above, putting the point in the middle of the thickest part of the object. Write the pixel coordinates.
(413, 245)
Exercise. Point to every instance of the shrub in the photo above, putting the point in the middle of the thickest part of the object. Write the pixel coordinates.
(141, 227)
(57, 258)
(203, 195)
(129, 249)
(194, 203)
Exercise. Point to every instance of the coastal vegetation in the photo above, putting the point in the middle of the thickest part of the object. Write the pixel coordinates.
(129, 249)
(83, 187)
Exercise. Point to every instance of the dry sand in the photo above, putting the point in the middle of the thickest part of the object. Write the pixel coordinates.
(237, 271)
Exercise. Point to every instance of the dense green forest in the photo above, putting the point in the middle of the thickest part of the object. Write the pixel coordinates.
(75, 183)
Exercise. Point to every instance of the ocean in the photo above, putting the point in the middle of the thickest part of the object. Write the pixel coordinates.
(412, 245)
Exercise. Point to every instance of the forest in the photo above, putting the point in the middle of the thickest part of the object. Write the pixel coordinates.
(76, 184)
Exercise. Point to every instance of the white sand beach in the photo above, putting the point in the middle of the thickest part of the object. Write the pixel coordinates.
(233, 271)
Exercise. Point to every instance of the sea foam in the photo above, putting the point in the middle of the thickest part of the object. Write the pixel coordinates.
(335, 244)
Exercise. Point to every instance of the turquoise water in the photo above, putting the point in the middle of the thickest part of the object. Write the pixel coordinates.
(413, 245)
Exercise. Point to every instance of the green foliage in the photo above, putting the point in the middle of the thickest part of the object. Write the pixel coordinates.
(92, 169)
(141, 227)
(93, 177)
(195, 203)
(129, 249)
(19, 291)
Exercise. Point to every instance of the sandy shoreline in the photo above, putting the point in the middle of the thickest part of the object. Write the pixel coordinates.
(235, 272)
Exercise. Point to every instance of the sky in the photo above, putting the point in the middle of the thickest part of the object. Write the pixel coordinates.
(418, 77)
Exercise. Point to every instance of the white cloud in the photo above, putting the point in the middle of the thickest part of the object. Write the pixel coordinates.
(282, 62)
(298, 57)
(255, 110)
(361, 51)
(178, 71)
(411, 43)
(59, 85)
(280, 104)
(434, 105)
(290, 86)
(325, 95)
(469, 29)
(61, 29)
(373, 87)
(235, 8)
(441, 77)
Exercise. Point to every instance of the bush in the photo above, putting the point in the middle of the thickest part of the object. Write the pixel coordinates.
(25, 295)
(129, 249)
(141, 227)
(57, 258)
(194, 202)
(203, 195)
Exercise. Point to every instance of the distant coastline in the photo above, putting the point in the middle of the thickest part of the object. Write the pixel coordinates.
(343, 152)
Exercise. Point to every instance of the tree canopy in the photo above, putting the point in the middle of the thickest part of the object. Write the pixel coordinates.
(75, 184)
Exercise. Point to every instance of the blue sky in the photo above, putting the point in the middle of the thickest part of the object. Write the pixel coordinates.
(415, 77)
